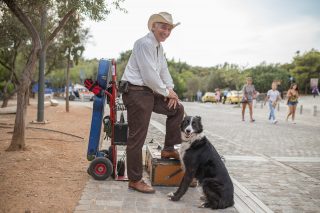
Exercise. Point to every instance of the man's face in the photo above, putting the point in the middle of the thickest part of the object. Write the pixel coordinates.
(161, 31)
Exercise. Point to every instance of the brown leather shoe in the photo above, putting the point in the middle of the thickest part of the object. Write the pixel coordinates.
(141, 186)
(170, 154)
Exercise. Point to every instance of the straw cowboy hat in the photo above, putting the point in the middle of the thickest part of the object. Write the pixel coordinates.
(162, 17)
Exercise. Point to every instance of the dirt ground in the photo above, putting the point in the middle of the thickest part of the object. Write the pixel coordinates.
(51, 174)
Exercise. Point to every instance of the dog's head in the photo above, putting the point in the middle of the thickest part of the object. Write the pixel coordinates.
(191, 126)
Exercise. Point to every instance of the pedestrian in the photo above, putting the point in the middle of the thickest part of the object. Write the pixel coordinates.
(150, 89)
(249, 93)
(273, 96)
(225, 94)
(293, 96)
(199, 95)
(315, 91)
(217, 95)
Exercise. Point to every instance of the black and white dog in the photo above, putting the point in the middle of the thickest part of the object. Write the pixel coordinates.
(200, 159)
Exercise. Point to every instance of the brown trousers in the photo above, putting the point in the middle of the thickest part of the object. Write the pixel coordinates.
(140, 105)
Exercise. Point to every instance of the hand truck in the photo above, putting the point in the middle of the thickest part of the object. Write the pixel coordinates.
(104, 163)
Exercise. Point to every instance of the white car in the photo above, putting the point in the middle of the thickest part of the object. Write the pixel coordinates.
(85, 94)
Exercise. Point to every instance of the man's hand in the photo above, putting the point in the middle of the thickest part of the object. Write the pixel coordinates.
(173, 99)
(173, 103)
(172, 94)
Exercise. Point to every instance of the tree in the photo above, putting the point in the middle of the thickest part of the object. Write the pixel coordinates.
(264, 74)
(122, 62)
(95, 10)
(216, 80)
(18, 138)
(73, 44)
(13, 40)
(192, 88)
(306, 66)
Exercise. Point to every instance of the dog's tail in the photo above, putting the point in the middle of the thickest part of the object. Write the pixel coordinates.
(215, 194)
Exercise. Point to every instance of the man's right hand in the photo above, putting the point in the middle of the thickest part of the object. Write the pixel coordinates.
(172, 94)
(173, 103)
(173, 99)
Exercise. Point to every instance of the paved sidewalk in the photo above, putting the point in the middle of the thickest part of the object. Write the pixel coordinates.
(114, 196)
(274, 167)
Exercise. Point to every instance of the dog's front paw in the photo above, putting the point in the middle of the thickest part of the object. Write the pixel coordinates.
(174, 198)
(171, 194)
(204, 205)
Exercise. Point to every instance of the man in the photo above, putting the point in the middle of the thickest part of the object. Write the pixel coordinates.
(150, 90)
(225, 94)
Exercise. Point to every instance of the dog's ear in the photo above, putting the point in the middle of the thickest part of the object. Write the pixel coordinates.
(198, 117)
(199, 123)
(183, 122)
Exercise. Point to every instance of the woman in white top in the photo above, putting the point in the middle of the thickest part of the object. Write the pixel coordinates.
(273, 96)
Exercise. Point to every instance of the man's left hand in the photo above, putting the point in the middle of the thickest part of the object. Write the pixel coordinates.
(173, 102)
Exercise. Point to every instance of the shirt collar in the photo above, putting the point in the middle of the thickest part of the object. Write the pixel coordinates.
(153, 39)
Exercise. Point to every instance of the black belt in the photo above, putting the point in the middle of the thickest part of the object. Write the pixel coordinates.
(139, 88)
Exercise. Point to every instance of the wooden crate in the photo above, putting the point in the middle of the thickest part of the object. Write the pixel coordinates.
(163, 172)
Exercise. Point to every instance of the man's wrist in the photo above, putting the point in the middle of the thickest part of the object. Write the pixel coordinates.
(167, 93)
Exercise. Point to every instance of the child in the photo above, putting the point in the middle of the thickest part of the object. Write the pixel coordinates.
(273, 96)
(315, 91)
(217, 95)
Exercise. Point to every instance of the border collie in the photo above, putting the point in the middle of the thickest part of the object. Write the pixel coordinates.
(200, 160)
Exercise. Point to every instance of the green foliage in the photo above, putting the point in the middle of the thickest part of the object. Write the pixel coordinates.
(58, 76)
(264, 74)
(10, 86)
(73, 35)
(306, 66)
(188, 79)
(179, 82)
(122, 63)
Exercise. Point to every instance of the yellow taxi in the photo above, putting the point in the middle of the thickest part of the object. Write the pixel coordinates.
(209, 97)
(234, 96)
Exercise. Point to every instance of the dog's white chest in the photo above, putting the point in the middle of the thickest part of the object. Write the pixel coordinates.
(182, 151)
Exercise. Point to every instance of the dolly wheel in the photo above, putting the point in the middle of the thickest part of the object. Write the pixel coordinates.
(100, 168)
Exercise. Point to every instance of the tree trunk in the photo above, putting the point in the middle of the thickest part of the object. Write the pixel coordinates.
(42, 64)
(68, 80)
(5, 102)
(18, 138)
(5, 95)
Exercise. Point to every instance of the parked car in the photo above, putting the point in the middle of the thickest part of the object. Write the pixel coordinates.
(234, 96)
(81, 92)
(84, 93)
(209, 97)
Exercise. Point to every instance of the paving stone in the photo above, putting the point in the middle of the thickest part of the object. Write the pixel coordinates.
(82, 207)
(282, 186)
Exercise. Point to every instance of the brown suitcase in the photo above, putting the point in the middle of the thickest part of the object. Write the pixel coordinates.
(163, 172)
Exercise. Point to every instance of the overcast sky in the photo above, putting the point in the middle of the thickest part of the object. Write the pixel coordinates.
(245, 32)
